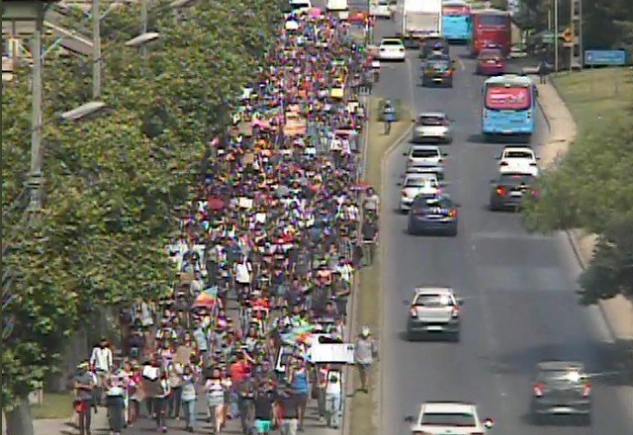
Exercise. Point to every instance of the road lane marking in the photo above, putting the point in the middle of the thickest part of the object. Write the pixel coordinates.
(462, 66)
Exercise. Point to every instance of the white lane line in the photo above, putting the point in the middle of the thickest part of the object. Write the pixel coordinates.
(462, 66)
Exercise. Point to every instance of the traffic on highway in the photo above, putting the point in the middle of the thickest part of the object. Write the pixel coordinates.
(482, 331)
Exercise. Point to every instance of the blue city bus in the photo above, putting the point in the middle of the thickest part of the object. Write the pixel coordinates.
(509, 106)
(456, 21)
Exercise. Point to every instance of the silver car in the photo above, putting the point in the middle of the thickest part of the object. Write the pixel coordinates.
(432, 128)
(434, 311)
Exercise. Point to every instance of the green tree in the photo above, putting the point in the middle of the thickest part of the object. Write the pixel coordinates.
(592, 189)
(112, 182)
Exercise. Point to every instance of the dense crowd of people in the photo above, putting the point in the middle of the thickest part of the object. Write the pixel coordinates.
(266, 260)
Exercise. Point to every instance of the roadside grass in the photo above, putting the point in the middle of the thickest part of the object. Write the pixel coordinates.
(364, 413)
(597, 98)
(54, 405)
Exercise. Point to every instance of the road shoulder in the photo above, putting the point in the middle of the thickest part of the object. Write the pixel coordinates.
(364, 409)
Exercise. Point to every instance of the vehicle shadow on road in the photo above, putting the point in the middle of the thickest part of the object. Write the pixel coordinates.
(560, 421)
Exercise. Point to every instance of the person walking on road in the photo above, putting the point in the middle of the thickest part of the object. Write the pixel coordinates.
(188, 398)
(289, 404)
(365, 353)
(84, 386)
(101, 360)
(369, 233)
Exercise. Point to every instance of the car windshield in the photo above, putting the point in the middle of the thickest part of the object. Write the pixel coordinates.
(433, 301)
(432, 121)
(502, 97)
(422, 153)
(517, 155)
(418, 182)
(448, 419)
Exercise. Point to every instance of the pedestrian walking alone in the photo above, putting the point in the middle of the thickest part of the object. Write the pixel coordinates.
(365, 353)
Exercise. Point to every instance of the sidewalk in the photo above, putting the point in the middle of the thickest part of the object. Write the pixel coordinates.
(66, 426)
(618, 311)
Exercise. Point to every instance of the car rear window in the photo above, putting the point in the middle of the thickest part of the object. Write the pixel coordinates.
(561, 378)
(517, 155)
(424, 153)
(393, 42)
(419, 182)
(490, 54)
(446, 419)
(516, 179)
(433, 301)
(432, 121)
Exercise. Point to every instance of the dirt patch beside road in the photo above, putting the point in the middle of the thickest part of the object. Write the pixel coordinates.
(365, 412)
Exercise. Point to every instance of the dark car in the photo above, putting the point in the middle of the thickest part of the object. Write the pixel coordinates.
(510, 190)
(438, 71)
(433, 44)
(433, 214)
(561, 389)
(491, 62)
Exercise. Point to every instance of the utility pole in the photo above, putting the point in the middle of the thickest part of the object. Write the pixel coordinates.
(555, 35)
(35, 178)
(576, 50)
(96, 50)
(144, 26)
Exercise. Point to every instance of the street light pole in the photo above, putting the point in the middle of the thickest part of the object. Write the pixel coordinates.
(35, 175)
(555, 35)
(144, 25)
(96, 50)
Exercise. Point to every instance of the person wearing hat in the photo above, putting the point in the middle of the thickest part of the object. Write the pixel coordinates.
(84, 384)
(364, 354)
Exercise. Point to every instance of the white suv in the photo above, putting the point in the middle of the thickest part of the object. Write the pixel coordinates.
(455, 418)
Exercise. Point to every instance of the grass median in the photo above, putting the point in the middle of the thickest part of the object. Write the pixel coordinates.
(364, 416)
(596, 97)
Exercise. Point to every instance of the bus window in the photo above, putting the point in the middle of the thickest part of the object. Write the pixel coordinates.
(511, 98)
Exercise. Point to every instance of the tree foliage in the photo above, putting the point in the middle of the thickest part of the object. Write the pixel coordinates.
(592, 189)
(607, 24)
(112, 183)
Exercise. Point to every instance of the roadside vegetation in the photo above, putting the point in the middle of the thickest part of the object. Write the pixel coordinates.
(592, 187)
(607, 24)
(364, 416)
(112, 184)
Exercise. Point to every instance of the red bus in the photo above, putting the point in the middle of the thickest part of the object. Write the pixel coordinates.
(491, 28)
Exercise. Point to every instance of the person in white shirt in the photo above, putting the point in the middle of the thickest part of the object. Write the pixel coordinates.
(101, 361)
(333, 399)
(243, 272)
(160, 401)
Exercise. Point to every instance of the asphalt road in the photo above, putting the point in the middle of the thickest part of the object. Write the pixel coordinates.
(520, 306)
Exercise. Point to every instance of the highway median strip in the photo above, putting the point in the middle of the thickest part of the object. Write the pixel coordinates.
(364, 414)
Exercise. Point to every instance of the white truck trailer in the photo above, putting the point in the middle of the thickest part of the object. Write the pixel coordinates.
(418, 19)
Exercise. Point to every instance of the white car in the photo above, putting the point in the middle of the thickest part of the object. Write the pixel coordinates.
(518, 160)
(426, 154)
(392, 49)
(417, 184)
(380, 9)
(434, 127)
(454, 418)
